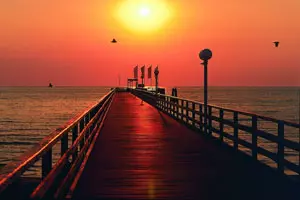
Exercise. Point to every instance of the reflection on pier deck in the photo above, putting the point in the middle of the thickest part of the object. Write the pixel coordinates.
(139, 152)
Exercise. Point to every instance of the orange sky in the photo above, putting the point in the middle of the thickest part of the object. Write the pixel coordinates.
(68, 43)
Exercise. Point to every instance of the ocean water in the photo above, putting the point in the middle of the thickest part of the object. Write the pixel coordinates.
(28, 114)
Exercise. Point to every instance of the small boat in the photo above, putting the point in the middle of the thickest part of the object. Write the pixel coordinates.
(50, 85)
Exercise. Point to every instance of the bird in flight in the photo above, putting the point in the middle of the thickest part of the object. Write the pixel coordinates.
(276, 43)
(114, 40)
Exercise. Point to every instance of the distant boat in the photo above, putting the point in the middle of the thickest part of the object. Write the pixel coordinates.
(50, 85)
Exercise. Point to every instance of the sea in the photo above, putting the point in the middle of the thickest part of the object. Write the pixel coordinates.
(28, 114)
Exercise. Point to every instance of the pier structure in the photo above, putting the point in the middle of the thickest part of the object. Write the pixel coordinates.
(122, 149)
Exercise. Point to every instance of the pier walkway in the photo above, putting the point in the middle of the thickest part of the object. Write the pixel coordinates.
(142, 153)
(159, 148)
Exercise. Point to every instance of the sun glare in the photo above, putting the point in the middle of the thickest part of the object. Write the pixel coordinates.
(144, 11)
(143, 15)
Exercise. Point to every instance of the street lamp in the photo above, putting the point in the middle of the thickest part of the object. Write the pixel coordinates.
(205, 55)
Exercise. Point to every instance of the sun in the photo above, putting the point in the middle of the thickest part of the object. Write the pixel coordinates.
(144, 11)
(143, 15)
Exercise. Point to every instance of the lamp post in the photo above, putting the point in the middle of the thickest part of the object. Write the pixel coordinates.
(156, 72)
(205, 55)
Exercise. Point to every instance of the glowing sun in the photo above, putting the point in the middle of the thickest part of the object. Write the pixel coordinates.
(143, 15)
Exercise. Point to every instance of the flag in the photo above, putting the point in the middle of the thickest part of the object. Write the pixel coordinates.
(156, 70)
(135, 72)
(143, 71)
(150, 71)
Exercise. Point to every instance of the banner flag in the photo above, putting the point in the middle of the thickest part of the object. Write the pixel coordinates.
(143, 71)
(156, 68)
(135, 72)
(150, 72)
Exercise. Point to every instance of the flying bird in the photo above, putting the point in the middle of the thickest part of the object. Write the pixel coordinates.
(276, 43)
(114, 40)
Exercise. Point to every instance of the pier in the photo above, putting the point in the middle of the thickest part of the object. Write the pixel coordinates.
(135, 144)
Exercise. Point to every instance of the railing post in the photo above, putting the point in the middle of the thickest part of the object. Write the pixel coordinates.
(74, 137)
(187, 112)
(177, 110)
(236, 130)
(209, 120)
(221, 125)
(201, 117)
(254, 137)
(88, 120)
(46, 163)
(181, 108)
(158, 103)
(193, 113)
(170, 102)
(64, 144)
(280, 153)
(169, 105)
(173, 107)
(82, 124)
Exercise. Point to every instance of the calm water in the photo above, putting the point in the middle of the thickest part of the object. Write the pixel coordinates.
(27, 114)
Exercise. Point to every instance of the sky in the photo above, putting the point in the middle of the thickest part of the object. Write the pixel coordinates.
(68, 42)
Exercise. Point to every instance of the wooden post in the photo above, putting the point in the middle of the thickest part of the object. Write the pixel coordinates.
(193, 114)
(210, 120)
(177, 110)
(88, 120)
(64, 144)
(254, 137)
(159, 103)
(201, 118)
(74, 137)
(221, 125)
(236, 130)
(46, 163)
(181, 108)
(82, 124)
(187, 112)
(169, 105)
(280, 152)
(170, 102)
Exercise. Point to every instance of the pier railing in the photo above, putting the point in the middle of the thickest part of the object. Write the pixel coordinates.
(76, 141)
(253, 134)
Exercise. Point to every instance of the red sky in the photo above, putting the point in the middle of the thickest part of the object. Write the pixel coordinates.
(68, 43)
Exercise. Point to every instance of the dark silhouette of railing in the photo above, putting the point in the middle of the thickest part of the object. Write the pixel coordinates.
(191, 114)
(61, 178)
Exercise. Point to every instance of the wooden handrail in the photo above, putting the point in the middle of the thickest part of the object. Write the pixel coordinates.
(293, 124)
(12, 171)
(50, 180)
(180, 111)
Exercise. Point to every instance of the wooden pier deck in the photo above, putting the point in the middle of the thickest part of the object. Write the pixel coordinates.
(141, 153)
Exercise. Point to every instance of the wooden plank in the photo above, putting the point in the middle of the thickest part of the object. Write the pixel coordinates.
(245, 143)
(267, 153)
(291, 144)
(292, 166)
